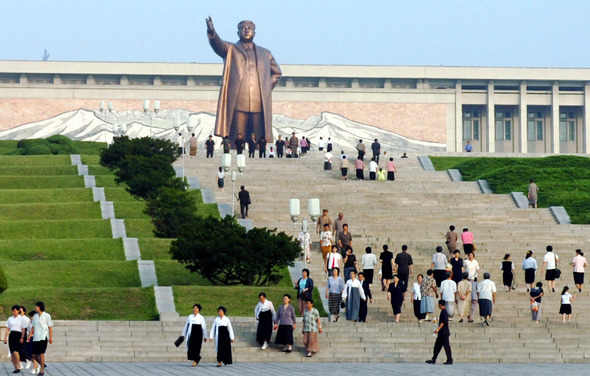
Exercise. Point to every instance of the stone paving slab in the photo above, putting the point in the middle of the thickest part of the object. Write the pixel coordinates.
(262, 369)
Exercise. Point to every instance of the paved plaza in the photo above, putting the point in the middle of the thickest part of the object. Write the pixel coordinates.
(262, 369)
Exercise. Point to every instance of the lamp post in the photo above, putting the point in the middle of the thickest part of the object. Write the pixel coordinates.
(119, 127)
(103, 110)
(241, 166)
(181, 144)
(151, 114)
(313, 208)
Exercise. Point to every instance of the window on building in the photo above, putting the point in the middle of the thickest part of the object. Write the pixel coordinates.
(9, 78)
(471, 122)
(535, 126)
(503, 125)
(567, 126)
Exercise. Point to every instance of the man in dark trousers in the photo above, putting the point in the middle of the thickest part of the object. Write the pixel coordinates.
(240, 143)
(376, 148)
(280, 145)
(443, 336)
(210, 145)
(252, 146)
(363, 308)
(244, 199)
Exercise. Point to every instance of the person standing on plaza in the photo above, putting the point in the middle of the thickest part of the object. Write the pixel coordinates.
(334, 292)
(533, 194)
(223, 334)
(417, 298)
(328, 161)
(457, 266)
(395, 294)
(245, 201)
(226, 144)
(42, 334)
(359, 166)
(326, 243)
(507, 268)
(529, 265)
(467, 239)
(468, 147)
(376, 148)
(209, 146)
(439, 265)
(294, 144)
(372, 169)
(312, 327)
(428, 292)
(579, 263)
(364, 307)
(304, 240)
(220, 177)
(386, 260)
(262, 148)
(344, 239)
(403, 265)
(192, 142)
(304, 288)
(252, 146)
(566, 304)
(352, 295)
(280, 147)
(239, 143)
(334, 260)
(550, 261)
(536, 298)
(264, 312)
(349, 263)
(448, 290)
(442, 340)
(486, 295)
(391, 170)
(451, 240)
(344, 167)
(14, 336)
(368, 261)
(286, 321)
(195, 333)
(464, 297)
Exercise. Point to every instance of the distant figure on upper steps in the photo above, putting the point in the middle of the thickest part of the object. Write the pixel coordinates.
(280, 145)
(579, 263)
(439, 265)
(321, 144)
(468, 147)
(344, 166)
(328, 161)
(529, 265)
(405, 155)
(252, 146)
(329, 144)
(550, 261)
(192, 145)
(245, 201)
(451, 237)
(376, 148)
(391, 170)
(226, 144)
(403, 265)
(294, 145)
(262, 148)
(467, 239)
(362, 149)
(373, 169)
(209, 145)
(533, 194)
(360, 169)
(507, 268)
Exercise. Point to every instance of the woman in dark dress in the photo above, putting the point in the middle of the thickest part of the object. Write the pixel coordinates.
(457, 264)
(195, 332)
(286, 321)
(223, 334)
(386, 260)
(395, 294)
(349, 263)
(265, 315)
(507, 272)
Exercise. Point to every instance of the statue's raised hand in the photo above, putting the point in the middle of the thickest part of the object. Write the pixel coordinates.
(210, 28)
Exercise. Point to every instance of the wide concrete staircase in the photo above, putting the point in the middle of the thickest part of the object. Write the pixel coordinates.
(414, 210)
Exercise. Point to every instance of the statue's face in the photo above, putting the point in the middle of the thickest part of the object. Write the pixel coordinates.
(246, 31)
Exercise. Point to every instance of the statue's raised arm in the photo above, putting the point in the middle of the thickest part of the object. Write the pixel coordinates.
(210, 28)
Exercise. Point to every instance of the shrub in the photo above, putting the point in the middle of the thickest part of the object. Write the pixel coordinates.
(148, 147)
(56, 145)
(171, 211)
(3, 282)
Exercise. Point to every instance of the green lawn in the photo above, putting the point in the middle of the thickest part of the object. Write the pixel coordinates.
(85, 303)
(139, 228)
(61, 249)
(562, 180)
(35, 160)
(21, 196)
(56, 229)
(155, 248)
(71, 274)
(37, 170)
(130, 209)
(37, 211)
(117, 194)
(41, 182)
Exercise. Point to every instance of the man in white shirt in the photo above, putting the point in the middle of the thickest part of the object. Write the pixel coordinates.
(550, 261)
(372, 169)
(326, 237)
(448, 289)
(42, 333)
(321, 144)
(368, 261)
(486, 293)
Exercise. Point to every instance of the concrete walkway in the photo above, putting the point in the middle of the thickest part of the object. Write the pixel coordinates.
(262, 369)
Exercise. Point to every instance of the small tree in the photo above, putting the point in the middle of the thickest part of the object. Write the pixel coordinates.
(145, 176)
(224, 253)
(171, 212)
(146, 146)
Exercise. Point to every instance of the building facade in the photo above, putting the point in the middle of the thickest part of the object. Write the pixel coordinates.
(515, 110)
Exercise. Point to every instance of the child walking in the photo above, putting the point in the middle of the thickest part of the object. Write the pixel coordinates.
(566, 304)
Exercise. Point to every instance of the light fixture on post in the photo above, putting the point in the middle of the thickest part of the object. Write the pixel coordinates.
(103, 107)
(181, 143)
(119, 129)
(151, 114)
(241, 166)
(313, 209)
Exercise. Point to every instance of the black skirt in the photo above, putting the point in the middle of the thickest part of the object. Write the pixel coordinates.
(14, 341)
(264, 330)
(223, 345)
(220, 183)
(564, 309)
(194, 343)
(529, 275)
(284, 335)
(507, 278)
(390, 175)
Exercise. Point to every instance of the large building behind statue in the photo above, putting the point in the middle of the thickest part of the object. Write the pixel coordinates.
(522, 110)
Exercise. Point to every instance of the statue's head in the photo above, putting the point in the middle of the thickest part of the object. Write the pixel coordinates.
(246, 31)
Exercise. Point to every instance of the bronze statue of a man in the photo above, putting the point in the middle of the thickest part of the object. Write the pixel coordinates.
(250, 73)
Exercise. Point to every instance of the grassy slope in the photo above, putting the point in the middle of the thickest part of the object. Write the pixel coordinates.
(562, 180)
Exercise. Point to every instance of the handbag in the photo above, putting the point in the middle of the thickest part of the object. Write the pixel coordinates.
(557, 273)
(534, 305)
(179, 341)
(342, 304)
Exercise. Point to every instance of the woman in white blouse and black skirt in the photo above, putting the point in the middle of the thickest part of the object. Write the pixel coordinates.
(265, 315)
(195, 332)
(352, 294)
(223, 334)
(14, 336)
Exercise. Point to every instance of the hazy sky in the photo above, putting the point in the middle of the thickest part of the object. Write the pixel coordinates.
(516, 33)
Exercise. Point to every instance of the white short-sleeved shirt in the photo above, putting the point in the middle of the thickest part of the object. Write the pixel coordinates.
(448, 288)
(565, 298)
(14, 324)
(485, 289)
(471, 267)
(372, 166)
(41, 324)
(550, 258)
(579, 262)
